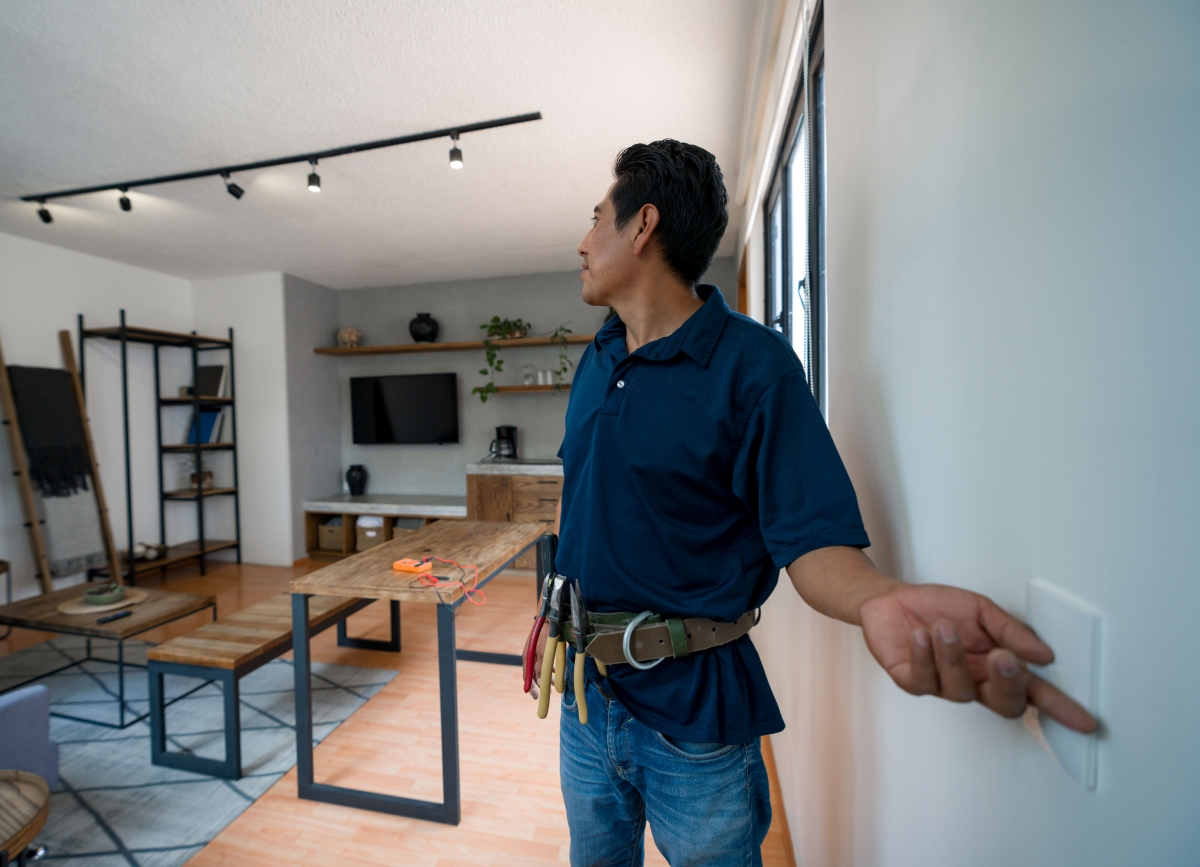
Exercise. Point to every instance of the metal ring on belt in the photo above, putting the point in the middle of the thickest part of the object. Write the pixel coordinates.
(633, 624)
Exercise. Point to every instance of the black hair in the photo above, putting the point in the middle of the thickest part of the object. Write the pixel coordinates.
(686, 185)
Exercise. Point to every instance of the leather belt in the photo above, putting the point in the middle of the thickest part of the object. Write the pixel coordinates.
(658, 637)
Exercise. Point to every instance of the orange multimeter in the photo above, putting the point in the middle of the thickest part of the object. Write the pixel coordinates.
(408, 564)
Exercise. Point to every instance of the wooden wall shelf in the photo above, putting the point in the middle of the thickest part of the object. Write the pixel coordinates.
(506, 343)
(510, 389)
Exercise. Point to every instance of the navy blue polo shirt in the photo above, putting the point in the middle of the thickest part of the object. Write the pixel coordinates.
(693, 471)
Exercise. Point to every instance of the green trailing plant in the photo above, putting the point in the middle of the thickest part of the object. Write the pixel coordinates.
(497, 329)
(564, 362)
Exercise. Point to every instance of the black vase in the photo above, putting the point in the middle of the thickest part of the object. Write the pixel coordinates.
(356, 478)
(424, 329)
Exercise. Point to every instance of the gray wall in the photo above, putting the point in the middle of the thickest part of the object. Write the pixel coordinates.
(382, 314)
(313, 408)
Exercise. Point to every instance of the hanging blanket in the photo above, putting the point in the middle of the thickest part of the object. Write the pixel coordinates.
(59, 468)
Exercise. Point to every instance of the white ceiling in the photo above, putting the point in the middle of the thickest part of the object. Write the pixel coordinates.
(100, 92)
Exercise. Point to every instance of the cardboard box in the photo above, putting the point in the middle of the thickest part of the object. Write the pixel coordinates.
(368, 537)
(329, 536)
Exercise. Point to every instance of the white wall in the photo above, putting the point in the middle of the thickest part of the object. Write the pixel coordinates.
(1013, 300)
(253, 306)
(314, 408)
(42, 290)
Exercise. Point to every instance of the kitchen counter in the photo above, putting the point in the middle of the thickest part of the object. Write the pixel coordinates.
(493, 467)
(402, 505)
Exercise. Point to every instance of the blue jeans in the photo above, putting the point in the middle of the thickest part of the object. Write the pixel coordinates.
(708, 804)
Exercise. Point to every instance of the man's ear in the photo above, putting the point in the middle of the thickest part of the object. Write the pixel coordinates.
(646, 222)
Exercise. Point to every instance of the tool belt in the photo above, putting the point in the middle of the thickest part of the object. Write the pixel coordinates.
(641, 640)
(655, 637)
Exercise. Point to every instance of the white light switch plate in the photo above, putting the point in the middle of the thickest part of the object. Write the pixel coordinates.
(1072, 629)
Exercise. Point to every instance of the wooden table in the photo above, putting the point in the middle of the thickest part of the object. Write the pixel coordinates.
(160, 606)
(24, 806)
(492, 547)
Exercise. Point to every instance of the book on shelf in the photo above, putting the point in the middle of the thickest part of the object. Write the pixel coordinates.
(211, 380)
(211, 423)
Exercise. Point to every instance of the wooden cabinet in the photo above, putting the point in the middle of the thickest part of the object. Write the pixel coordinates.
(517, 498)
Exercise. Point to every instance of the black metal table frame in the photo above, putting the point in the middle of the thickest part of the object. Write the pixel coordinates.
(449, 811)
(121, 666)
(231, 767)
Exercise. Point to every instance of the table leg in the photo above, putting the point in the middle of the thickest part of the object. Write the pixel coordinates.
(448, 690)
(121, 680)
(391, 646)
(450, 810)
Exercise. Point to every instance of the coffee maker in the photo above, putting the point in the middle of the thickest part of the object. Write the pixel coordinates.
(504, 446)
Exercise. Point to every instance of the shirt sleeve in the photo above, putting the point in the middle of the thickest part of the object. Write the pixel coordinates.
(789, 475)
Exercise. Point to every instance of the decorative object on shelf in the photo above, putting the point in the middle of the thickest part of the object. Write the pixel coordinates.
(504, 446)
(104, 594)
(528, 377)
(356, 478)
(424, 329)
(349, 337)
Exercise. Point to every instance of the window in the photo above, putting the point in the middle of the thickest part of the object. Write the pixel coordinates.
(795, 224)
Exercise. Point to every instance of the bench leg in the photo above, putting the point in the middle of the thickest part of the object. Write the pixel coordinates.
(392, 646)
(231, 767)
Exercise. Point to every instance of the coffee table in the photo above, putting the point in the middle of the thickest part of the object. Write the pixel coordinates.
(160, 607)
(24, 806)
(489, 545)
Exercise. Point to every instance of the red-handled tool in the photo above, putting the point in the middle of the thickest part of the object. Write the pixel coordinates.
(547, 548)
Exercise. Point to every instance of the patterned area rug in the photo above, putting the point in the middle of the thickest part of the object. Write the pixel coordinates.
(112, 808)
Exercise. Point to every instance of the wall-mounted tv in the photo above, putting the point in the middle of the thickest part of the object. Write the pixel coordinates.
(421, 408)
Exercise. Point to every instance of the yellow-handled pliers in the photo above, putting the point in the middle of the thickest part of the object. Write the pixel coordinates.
(579, 624)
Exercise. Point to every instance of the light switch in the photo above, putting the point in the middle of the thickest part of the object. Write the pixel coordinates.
(1072, 629)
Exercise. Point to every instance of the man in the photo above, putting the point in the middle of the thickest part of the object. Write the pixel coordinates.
(697, 465)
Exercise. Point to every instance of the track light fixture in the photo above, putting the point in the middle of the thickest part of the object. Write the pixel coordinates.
(232, 188)
(314, 180)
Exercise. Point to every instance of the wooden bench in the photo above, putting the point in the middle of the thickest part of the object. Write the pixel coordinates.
(230, 648)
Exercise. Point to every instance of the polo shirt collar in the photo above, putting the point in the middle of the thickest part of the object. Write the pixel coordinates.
(697, 337)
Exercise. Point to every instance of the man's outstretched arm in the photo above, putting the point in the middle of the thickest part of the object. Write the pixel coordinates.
(936, 640)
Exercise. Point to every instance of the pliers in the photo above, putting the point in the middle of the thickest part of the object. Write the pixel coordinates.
(579, 623)
(546, 551)
(554, 648)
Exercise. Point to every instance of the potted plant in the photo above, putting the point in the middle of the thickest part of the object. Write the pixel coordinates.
(199, 474)
(497, 329)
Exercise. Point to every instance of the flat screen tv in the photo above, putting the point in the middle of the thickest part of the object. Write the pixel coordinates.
(421, 408)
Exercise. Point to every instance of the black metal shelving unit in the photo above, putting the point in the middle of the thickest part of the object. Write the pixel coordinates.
(200, 547)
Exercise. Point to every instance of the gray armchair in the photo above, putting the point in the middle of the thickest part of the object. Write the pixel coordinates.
(26, 744)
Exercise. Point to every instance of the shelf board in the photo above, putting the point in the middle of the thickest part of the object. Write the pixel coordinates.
(506, 343)
(189, 494)
(178, 554)
(134, 334)
(512, 389)
(207, 447)
(187, 401)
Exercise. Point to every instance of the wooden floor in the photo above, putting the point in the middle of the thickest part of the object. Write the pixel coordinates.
(512, 810)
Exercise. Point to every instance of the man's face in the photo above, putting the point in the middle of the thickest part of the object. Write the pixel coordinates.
(608, 260)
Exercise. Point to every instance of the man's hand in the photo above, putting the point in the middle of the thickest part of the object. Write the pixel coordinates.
(937, 640)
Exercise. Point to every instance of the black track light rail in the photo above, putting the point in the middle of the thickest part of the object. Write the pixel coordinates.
(452, 131)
